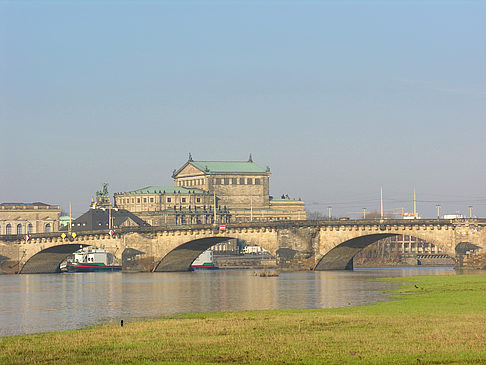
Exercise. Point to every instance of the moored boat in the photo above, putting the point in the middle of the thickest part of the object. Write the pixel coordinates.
(91, 259)
(204, 261)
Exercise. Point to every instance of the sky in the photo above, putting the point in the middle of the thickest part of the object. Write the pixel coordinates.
(338, 98)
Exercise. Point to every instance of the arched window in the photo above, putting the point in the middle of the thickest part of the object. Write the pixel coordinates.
(30, 228)
(8, 229)
(19, 228)
(48, 228)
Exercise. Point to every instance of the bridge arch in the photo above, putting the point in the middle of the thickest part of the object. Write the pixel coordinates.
(340, 257)
(181, 257)
(48, 260)
(462, 248)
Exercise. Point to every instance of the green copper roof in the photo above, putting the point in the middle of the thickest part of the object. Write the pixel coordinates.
(228, 166)
(166, 190)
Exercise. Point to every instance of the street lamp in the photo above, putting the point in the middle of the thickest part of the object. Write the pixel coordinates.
(470, 211)
(329, 211)
(438, 211)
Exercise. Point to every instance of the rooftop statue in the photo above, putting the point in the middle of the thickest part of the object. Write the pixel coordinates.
(104, 192)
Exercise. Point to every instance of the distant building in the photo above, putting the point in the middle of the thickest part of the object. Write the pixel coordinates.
(409, 244)
(230, 247)
(64, 220)
(253, 250)
(453, 216)
(97, 219)
(102, 216)
(207, 192)
(24, 218)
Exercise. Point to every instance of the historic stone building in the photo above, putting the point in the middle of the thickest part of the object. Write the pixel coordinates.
(97, 219)
(212, 192)
(103, 216)
(24, 218)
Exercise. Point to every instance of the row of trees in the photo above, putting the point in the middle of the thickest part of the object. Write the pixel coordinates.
(318, 216)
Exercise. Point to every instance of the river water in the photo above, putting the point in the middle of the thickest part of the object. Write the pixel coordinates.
(52, 302)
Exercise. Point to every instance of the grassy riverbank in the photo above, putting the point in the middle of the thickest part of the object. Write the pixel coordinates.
(437, 320)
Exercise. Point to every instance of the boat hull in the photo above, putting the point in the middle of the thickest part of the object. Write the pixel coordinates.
(204, 267)
(91, 268)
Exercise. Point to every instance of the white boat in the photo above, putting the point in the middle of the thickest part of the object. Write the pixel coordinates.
(90, 259)
(204, 261)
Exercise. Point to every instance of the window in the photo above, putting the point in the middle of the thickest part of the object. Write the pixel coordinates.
(151, 200)
(234, 181)
(249, 181)
(8, 229)
(169, 200)
(218, 181)
(47, 228)
(198, 200)
(183, 200)
(19, 228)
(242, 181)
(138, 200)
(257, 181)
(30, 228)
(226, 181)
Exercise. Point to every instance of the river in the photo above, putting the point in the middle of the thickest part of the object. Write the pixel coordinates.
(53, 302)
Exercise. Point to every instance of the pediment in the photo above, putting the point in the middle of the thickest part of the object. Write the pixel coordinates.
(128, 223)
(188, 170)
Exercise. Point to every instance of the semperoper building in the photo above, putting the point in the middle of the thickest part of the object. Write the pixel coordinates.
(207, 192)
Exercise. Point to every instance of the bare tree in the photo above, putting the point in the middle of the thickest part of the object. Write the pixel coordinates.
(316, 216)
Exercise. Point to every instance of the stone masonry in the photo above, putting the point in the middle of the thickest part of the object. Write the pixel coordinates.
(297, 245)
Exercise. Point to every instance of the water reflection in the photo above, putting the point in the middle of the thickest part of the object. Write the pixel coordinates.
(39, 303)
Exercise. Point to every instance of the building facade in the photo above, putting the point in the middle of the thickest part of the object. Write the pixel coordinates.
(207, 192)
(98, 219)
(25, 218)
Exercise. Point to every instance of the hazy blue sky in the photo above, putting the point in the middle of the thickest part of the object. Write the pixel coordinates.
(337, 97)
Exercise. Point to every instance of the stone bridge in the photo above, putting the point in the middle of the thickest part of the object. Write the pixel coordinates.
(297, 245)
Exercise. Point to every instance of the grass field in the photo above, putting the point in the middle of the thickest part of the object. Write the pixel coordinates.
(436, 320)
